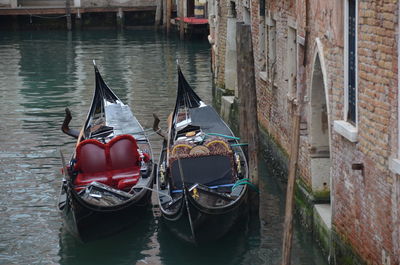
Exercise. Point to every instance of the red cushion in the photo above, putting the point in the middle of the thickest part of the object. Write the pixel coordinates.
(87, 178)
(123, 151)
(116, 163)
(126, 184)
(91, 157)
(125, 179)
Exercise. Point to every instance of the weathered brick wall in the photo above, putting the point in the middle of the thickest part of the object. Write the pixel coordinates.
(365, 206)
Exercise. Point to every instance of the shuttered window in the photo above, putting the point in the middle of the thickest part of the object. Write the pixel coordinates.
(351, 114)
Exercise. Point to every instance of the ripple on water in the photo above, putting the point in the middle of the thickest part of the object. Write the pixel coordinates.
(38, 81)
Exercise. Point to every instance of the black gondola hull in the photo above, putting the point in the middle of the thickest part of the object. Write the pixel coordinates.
(204, 213)
(86, 223)
(208, 224)
(131, 164)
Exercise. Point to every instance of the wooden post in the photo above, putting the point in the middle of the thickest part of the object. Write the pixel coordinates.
(297, 105)
(68, 13)
(164, 13)
(181, 20)
(248, 120)
(168, 16)
(120, 19)
(157, 18)
(294, 152)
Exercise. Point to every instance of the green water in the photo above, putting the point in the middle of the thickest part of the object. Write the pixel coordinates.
(41, 73)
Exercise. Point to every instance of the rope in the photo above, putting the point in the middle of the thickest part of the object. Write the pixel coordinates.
(147, 188)
(223, 135)
(245, 181)
(242, 144)
(45, 17)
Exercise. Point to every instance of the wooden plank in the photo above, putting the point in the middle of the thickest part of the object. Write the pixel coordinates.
(68, 13)
(181, 21)
(294, 152)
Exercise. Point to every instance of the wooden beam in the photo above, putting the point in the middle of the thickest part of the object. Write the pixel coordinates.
(294, 152)
(181, 21)
(168, 17)
(297, 108)
(68, 13)
(61, 11)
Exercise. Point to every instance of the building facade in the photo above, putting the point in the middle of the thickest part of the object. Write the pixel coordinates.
(337, 60)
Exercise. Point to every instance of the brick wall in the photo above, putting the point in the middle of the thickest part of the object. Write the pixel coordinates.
(365, 205)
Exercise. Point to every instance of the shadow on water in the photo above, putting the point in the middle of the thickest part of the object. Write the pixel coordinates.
(228, 250)
(122, 248)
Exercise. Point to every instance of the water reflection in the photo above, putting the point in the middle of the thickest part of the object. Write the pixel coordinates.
(122, 248)
(41, 73)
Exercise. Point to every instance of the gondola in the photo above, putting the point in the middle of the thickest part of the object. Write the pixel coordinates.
(202, 173)
(108, 180)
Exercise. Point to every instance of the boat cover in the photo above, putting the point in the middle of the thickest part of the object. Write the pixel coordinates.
(120, 117)
(208, 120)
(198, 170)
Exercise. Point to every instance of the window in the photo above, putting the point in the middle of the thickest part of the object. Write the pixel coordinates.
(232, 9)
(348, 126)
(351, 58)
(261, 41)
(272, 50)
(271, 59)
(291, 60)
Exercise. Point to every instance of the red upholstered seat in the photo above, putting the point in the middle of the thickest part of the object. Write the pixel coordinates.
(116, 163)
(124, 152)
(91, 163)
(125, 161)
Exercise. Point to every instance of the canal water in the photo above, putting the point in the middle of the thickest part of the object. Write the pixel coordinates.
(41, 73)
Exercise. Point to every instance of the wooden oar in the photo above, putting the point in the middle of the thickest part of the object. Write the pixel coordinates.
(64, 166)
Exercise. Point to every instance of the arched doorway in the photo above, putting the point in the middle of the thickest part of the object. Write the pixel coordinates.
(319, 133)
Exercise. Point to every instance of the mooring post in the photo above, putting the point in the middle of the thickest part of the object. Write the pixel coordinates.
(297, 109)
(294, 152)
(120, 18)
(181, 20)
(168, 16)
(78, 19)
(157, 18)
(68, 14)
(247, 95)
(164, 13)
